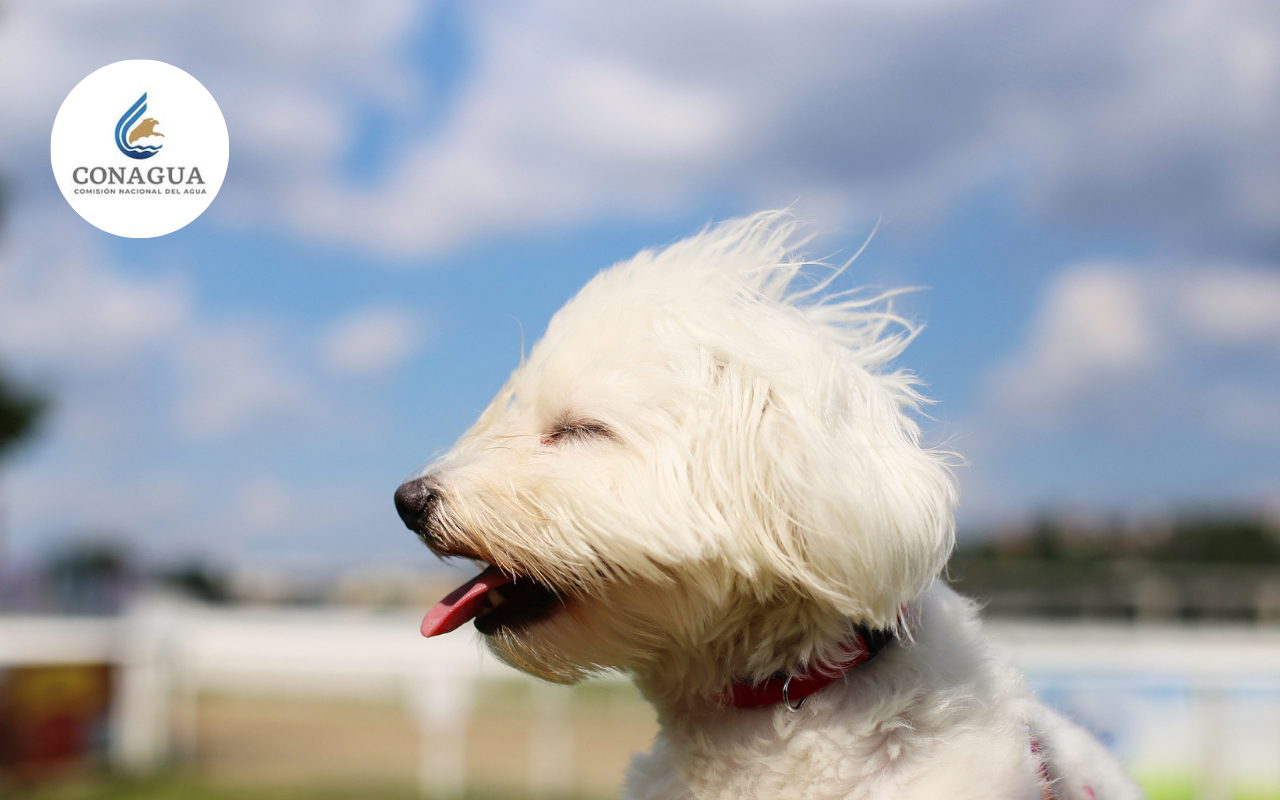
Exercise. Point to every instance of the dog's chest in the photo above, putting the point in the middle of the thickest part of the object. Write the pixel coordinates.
(776, 757)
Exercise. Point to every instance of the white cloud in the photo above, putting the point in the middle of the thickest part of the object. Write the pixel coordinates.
(230, 377)
(69, 317)
(1133, 385)
(371, 341)
(1233, 306)
(1127, 344)
(58, 302)
(1091, 332)
(554, 140)
(614, 111)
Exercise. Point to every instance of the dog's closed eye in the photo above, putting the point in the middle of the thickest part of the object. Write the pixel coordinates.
(577, 430)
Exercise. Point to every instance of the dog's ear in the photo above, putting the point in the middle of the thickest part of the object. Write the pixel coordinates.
(852, 509)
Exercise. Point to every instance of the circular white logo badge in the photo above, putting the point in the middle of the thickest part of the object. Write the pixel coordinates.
(139, 148)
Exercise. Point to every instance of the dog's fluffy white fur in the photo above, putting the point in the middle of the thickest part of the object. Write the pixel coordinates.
(712, 460)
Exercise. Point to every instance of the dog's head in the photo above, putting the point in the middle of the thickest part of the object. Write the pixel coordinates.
(700, 469)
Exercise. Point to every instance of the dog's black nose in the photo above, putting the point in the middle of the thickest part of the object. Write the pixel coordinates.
(414, 502)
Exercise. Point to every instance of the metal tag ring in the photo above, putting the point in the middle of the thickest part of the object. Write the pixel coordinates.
(786, 697)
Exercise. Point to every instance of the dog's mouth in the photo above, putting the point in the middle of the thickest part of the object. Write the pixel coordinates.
(495, 600)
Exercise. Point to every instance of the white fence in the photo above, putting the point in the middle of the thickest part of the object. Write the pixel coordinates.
(1200, 702)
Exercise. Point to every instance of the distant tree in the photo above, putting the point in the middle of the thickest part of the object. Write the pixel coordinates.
(20, 411)
(1220, 539)
(1046, 538)
(91, 575)
(198, 580)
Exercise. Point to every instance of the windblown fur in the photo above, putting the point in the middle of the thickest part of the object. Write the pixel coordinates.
(714, 463)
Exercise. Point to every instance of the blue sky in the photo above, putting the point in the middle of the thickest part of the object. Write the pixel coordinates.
(1087, 191)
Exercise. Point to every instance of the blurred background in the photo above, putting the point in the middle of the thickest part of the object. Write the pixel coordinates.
(205, 588)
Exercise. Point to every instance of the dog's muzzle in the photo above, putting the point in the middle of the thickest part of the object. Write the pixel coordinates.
(495, 599)
(416, 503)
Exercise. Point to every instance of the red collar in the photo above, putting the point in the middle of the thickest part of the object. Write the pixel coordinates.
(793, 689)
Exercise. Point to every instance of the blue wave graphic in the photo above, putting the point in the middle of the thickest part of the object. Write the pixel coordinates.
(126, 122)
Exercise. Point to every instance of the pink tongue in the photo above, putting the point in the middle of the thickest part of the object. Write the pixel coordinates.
(463, 603)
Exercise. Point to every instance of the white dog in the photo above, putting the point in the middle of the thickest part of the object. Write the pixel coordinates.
(708, 477)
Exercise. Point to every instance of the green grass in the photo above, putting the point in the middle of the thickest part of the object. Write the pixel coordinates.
(1161, 788)
(179, 786)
